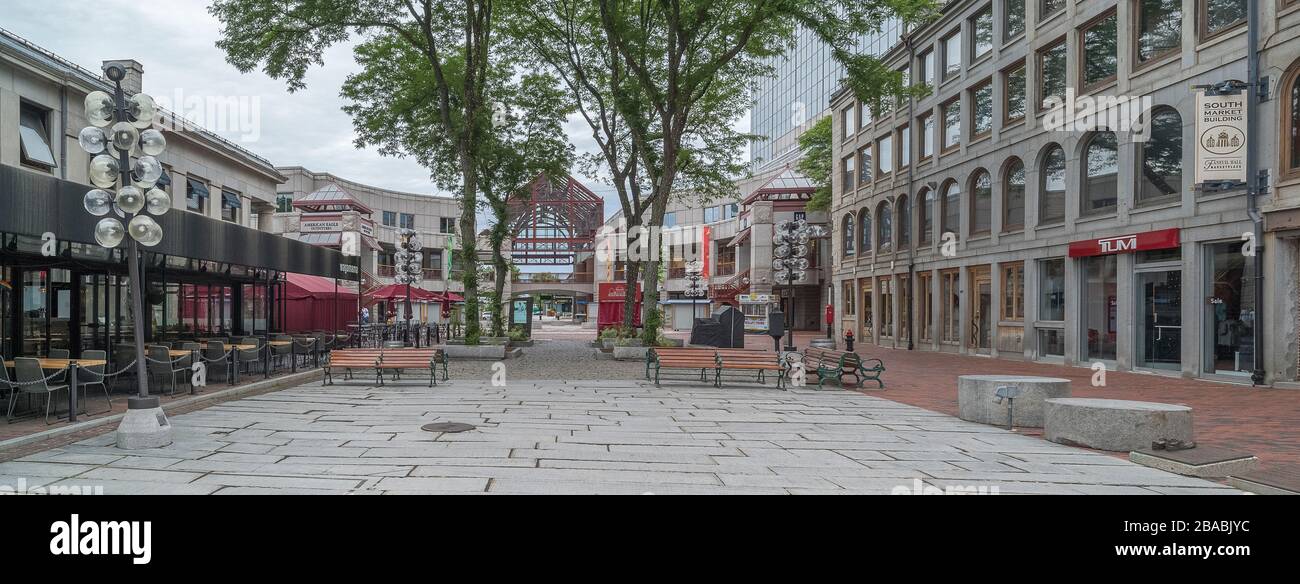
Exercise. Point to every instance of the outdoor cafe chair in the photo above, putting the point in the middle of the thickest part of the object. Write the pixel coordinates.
(32, 381)
(88, 376)
(216, 353)
(62, 377)
(162, 366)
(7, 385)
(250, 358)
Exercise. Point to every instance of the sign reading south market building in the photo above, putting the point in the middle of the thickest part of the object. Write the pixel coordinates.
(1220, 138)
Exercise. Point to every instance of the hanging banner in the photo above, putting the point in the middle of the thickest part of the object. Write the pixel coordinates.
(705, 236)
(1220, 138)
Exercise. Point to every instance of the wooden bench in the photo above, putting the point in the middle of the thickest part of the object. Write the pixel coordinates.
(704, 359)
(746, 360)
(399, 359)
(349, 359)
(836, 364)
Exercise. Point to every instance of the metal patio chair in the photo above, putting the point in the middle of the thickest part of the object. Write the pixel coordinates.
(28, 372)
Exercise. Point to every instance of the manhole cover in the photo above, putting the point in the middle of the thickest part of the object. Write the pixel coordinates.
(448, 427)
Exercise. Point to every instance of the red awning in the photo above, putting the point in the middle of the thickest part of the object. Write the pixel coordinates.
(452, 295)
(398, 292)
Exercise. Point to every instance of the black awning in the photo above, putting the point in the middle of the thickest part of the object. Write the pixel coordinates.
(231, 200)
(197, 188)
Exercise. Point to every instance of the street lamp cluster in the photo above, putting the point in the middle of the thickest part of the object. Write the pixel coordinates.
(410, 266)
(694, 275)
(789, 259)
(125, 172)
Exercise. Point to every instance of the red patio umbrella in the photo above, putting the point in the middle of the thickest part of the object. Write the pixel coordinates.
(398, 292)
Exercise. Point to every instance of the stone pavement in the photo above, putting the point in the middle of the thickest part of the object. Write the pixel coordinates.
(584, 437)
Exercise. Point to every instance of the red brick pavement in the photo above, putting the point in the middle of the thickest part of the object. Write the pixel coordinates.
(1262, 421)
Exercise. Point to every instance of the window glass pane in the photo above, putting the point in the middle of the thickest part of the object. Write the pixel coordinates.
(1100, 52)
(982, 110)
(1100, 306)
(1013, 21)
(951, 208)
(926, 222)
(927, 134)
(904, 146)
(864, 164)
(1162, 156)
(952, 55)
(982, 26)
(904, 221)
(1293, 126)
(1051, 290)
(1052, 74)
(1221, 14)
(1051, 208)
(847, 235)
(951, 124)
(927, 68)
(1014, 204)
(1233, 305)
(1102, 159)
(1016, 93)
(864, 229)
(34, 138)
(981, 203)
(885, 227)
(885, 147)
(1160, 27)
(847, 175)
(1049, 7)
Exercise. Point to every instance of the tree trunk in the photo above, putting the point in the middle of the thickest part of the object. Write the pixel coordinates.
(469, 244)
(503, 271)
(631, 274)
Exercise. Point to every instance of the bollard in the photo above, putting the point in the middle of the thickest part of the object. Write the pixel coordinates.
(72, 392)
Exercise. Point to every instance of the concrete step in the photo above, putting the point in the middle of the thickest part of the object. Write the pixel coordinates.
(1201, 461)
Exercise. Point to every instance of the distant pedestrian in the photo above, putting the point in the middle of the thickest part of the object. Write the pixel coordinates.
(365, 316)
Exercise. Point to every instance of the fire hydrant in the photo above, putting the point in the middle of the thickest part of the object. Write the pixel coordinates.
(848, 341)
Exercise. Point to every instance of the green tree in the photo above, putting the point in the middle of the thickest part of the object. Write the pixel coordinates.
(286, 37)
(817, 163)
(683, 55)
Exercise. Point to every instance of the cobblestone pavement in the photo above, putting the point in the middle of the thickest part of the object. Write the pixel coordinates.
(556, 358)
(583, 437)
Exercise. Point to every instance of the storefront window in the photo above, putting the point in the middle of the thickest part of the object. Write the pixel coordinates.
(868, 324)
(886, 307)
(1100, 305)
(925, 283)
(1232, 304)
(950, 296)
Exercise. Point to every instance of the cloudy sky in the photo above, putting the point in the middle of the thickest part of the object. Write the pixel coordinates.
(175, 42)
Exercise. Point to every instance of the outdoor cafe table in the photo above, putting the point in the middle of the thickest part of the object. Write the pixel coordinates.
(55, 364)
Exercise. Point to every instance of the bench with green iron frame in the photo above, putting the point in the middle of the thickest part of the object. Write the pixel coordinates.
(837, 365)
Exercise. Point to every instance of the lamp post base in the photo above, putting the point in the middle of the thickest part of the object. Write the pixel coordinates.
(144, 427)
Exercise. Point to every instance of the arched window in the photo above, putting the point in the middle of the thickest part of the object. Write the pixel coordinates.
(1051, 202)
(904, 222)
(951, 208)
(1013, 195)
(848, 234)
(1291, 123)
(981, 202)
(925, 219)
(885, 227)
(1101, 173)
(1162, 157)
(864, 230)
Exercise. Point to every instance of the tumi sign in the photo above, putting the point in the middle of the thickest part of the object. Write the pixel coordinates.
(1162, 239)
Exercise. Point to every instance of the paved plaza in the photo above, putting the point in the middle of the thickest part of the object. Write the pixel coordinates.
(584, 436)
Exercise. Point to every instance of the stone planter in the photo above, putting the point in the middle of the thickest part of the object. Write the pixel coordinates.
(976, 398)
(523, 343)
(476, 352)
(1114, 424)
(494, 340)
(630, 353)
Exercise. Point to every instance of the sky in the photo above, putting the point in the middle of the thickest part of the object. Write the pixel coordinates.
(175, 42)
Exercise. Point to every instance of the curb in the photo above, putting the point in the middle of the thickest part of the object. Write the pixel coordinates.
(272, 384)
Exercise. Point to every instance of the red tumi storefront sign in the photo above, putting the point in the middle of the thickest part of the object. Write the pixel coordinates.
(615, 291)
(1162, 239)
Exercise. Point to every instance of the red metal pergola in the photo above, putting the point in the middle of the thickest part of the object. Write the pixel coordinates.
(554, 221)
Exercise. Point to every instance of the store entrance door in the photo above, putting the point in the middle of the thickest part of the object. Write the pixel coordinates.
(1160, 318)
(981, 322)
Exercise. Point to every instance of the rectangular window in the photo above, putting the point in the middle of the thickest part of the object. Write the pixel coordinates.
(847, 126)
(864, 115)
(885, 285)
(1047, 8)
(196, 195)
(1013, 19)
(864, 164)
(1051, 74)
(1013, 291)
(729, 211)
(951, 54)
(926, 122)
(670, 219)
(1159, 29)
(847, 175)
(951, 124)
(712, 214)
(407, 220)
(284, 202)
(849, 297)
(34, 137)
(926, 61)
(725, 265)
(230, 205)
(904, 146)
(1051, 290)
(390, 218)
(981, 110)
(924, 283)
(446, 225)
(1100, 305)
(950, 297)
(1219, 16)
(1099, 50)
(981, 33)
(1013, 90)
(885, 155)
